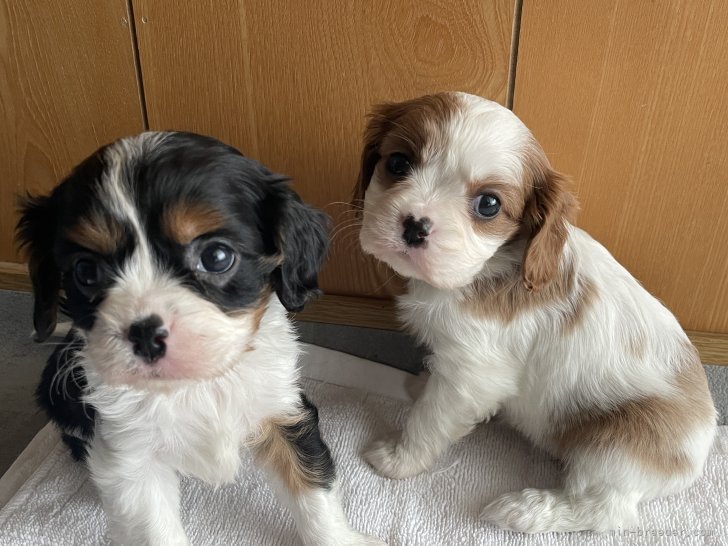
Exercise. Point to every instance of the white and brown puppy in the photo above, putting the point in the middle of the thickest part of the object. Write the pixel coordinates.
(526, 316)
(178, 258)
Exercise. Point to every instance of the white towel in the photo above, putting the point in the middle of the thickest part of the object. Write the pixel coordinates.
(58, 504)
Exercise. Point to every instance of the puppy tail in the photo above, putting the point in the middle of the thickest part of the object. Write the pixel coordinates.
(556, 510)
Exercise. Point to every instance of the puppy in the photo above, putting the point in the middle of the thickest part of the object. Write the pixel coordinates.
(178, 258)
(526, 316)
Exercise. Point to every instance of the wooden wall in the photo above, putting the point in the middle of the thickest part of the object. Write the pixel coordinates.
(626, 97)
(67, 86)
(630, 99)
(290, 82)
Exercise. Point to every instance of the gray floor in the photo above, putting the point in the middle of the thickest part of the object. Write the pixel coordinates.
(22, 360)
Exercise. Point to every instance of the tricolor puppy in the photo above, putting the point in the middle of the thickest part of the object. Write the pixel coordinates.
(178, 258)
(526, 316)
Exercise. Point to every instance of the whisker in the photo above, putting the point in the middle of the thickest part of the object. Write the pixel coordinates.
(350, 204)
(344, 228)
(385, 283)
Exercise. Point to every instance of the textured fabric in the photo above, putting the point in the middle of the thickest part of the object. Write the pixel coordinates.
(718, 383)
(58, 504)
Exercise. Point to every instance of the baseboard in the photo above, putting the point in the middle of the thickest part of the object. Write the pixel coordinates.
(352, 311)
(375, 313)
(381, 314)
(14, 277)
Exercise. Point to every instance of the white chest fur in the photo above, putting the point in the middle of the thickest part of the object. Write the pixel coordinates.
(536, 368)
(198, 427)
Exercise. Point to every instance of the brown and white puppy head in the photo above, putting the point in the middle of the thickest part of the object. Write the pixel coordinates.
(167, 247)
(447, 180)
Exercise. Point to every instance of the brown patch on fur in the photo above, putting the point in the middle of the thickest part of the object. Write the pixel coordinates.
(512, 198)
(583, 300)
(506, 297)
(637, 344)
(260, 311)
(269, 263)
(256, 314)
(275, 447)
(652, 429)
(183, 222)
(413, 127)
(545, 218)
(101, 234)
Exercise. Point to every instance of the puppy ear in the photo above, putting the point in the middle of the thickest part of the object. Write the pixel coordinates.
(378, 125)
(546, 218)
(301, 239)
(35, 234)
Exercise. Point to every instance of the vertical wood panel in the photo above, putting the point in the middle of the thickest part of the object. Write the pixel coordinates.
(289, 83)
(67, 86)
(630, 99)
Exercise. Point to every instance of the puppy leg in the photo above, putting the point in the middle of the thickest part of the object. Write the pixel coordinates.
(140, 496)
(446, 411)
(601, 492)
(608, 475)
(560, 510)
(302, 473)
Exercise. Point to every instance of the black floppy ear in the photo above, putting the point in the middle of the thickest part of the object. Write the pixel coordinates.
(35, 234)
(301, 240)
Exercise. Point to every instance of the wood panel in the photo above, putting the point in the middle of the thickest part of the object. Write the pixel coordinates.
(629, 98)
(290, 82)
(67, 86)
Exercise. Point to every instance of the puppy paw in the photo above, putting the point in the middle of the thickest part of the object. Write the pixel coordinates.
(527, 511)
(389, 459)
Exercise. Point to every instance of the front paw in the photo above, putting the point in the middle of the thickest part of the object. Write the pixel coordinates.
(391, 460)
(527, 511)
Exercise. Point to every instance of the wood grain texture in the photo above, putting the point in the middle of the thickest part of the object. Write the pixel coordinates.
(629, 98)
(713, 348)
(14, 276)
(352, 311)
(290, 82)
(67, 86)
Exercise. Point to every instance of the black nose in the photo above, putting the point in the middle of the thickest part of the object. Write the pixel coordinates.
(148, 337)
(416, 231)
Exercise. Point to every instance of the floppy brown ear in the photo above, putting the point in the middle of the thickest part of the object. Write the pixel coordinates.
(546, 218)
(378, 125)
(36, 235)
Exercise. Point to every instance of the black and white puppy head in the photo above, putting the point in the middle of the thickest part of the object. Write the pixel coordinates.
(167, 247)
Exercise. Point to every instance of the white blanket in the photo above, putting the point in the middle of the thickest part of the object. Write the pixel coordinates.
(58, 504)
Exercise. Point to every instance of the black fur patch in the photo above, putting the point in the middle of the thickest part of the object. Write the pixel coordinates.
(78, 447)
(60, 394)
(313, 454)
(302, 240)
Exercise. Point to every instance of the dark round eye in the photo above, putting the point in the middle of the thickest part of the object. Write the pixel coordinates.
(86, 272)
(216, 258)
(486, 205)
(398, 165)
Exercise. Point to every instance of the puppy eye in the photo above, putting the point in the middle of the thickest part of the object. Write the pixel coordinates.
(86, 272)
(486, 205)
(216, 258)
(398, 165)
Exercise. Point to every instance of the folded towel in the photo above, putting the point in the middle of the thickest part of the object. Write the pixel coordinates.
(59, 505)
